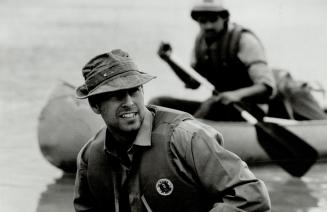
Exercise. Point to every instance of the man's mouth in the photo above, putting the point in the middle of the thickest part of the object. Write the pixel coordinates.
(128, 115)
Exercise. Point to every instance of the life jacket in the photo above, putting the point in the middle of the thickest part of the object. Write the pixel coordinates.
(164, 187)
(219, 62)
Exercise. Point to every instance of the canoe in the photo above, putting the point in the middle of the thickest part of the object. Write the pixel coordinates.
(65, 124)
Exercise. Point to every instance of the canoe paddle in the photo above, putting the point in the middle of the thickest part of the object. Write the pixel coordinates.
(285, 148)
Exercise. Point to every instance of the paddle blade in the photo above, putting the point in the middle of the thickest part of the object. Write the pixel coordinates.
(285, 148)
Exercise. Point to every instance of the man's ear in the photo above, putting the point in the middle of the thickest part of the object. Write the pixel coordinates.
(94, 107)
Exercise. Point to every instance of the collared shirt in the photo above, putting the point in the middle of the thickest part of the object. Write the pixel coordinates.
(252, 54)
(143, 139)
(128, 192)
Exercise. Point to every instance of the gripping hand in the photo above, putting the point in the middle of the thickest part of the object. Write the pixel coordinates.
(164, 51)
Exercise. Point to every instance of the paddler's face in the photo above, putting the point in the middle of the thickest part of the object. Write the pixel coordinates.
(211, 25)
(123, 111)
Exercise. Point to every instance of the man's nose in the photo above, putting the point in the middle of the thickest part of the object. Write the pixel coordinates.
(208, 25)
(128, 100)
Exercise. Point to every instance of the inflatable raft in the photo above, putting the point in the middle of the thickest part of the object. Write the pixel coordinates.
(66, 124)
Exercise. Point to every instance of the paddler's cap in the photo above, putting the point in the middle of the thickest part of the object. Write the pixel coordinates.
(110, 72)
(209, 7)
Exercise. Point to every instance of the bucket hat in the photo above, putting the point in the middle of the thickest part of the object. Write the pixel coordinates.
(110, 72)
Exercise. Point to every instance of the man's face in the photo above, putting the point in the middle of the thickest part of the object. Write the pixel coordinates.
(123, 111)
(211, 25)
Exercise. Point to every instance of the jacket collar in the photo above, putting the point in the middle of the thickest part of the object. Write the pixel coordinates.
(143, 137)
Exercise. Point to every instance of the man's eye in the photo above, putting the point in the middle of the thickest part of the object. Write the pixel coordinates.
(120, 95)
(134, 91)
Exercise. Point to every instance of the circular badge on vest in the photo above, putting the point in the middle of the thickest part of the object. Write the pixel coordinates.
(164, 187)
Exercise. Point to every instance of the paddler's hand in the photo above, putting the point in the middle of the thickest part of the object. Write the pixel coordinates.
(228, 97)
(225, 98)
(165, 51)
(205, 107)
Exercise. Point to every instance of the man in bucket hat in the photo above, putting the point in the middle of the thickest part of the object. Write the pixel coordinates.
(150, 158)
(231, 58)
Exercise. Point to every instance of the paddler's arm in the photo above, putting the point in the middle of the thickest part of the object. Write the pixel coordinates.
(252, 54)
(224, 175)
(164, 52)
(258, 93)
(221, 174)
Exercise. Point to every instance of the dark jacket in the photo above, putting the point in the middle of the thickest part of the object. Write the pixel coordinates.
(219, 62)
(235, 59)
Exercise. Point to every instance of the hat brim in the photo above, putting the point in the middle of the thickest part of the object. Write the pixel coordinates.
(196, 14)
(120, 82)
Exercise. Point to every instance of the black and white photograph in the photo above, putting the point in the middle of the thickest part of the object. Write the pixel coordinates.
(163, 106)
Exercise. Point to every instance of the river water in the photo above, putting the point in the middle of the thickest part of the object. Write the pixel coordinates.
(43, 42)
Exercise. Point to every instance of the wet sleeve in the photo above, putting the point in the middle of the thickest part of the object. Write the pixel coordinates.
(252, 54)
(223, 175)
(83, 200)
